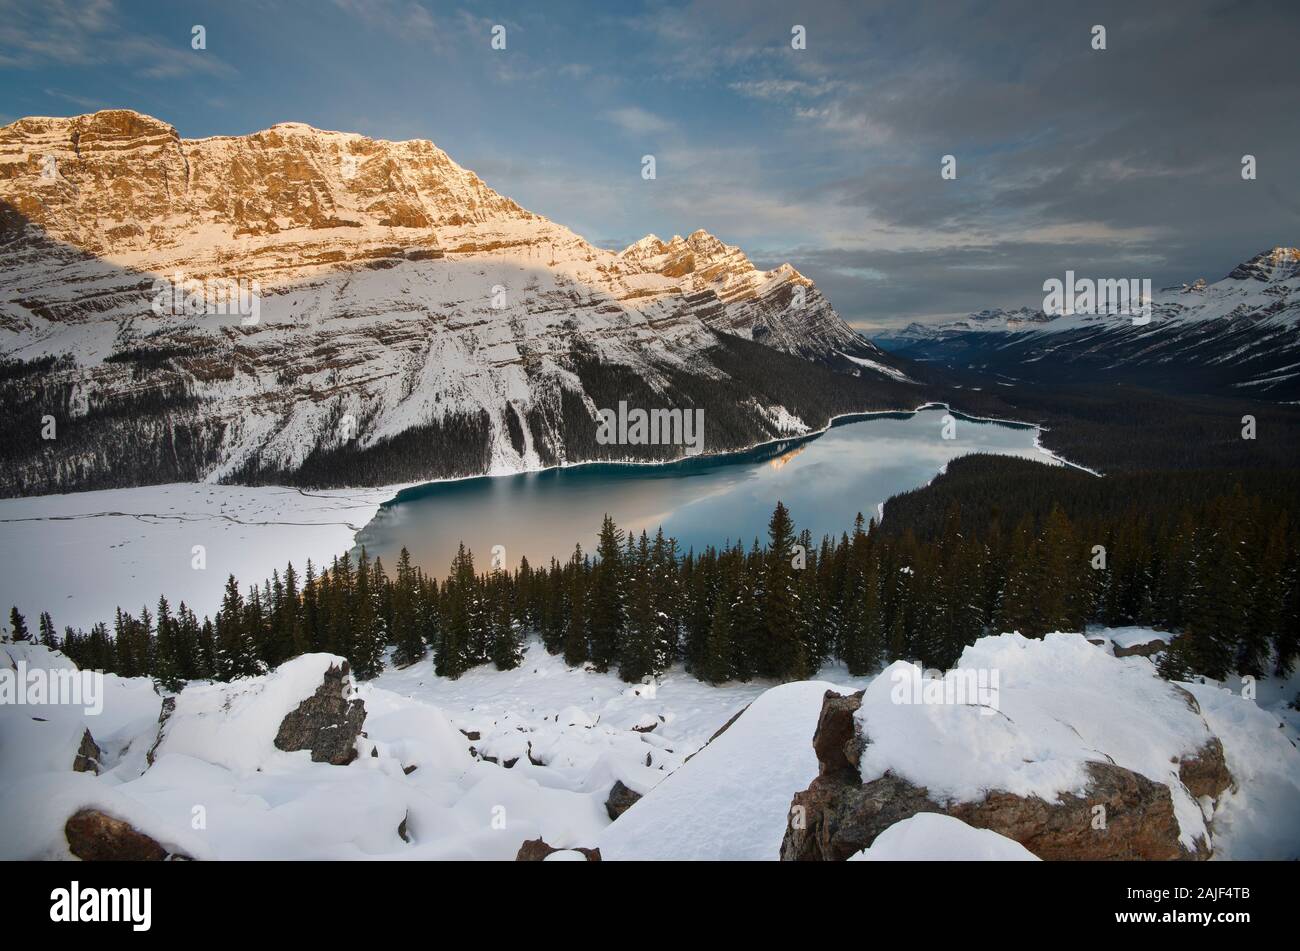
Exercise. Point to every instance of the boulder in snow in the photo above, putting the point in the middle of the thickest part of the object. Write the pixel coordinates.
(327, 723)
(536, 850)
(88, 755)
(620, 799)
(94, 836)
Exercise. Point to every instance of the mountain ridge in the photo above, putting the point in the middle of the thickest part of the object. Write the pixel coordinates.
(397, 294)
(1239, 335)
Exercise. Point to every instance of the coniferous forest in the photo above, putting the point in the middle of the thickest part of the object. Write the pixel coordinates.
(1217, 562)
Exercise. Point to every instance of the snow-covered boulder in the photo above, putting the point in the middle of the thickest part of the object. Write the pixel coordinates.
(935, 837)
(305, 704)
(1066, 749)
(536, 850)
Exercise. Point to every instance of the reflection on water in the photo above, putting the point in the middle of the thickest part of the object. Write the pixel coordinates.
(780, 461)
(824, 481)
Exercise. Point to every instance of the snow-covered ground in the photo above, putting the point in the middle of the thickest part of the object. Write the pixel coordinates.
(472, 768)
(101, 546)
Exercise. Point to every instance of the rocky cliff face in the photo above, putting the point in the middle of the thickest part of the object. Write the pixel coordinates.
(242, 307)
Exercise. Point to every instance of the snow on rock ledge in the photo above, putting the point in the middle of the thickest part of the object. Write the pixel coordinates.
(1071, 728)
(934, 837)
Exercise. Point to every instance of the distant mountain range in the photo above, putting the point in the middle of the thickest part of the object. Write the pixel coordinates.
(353, 310)
(1238, 336)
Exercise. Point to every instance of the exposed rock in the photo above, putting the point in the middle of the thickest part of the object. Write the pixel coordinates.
(835, 740)
(1149, 649)
(1205, 773)
(533, 759)
(620, 799)
(839, 815)
(327, 723)
(168, 705)
(536, 850)
(88, 755)
(408, 770)
(401, 828)
(96, 837)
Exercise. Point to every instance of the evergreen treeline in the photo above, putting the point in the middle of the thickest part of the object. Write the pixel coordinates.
(1225, 574)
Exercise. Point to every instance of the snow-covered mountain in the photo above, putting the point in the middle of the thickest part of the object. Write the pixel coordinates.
(1238, 335)
(342, 296)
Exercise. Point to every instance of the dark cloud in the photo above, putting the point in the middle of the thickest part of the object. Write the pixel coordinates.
(1124, 161)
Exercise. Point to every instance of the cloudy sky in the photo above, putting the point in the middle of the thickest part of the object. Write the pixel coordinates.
(1122, 162)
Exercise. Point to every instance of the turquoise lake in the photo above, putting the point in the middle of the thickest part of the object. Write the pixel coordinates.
(825, 481)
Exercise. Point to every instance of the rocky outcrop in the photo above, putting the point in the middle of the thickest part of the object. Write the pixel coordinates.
(168, 707)
(1120, 815)
(620, 799)
(535, 850)
(88, 755)
(327, 723)
(94, 836)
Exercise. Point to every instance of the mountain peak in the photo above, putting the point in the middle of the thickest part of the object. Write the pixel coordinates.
(1275, 264)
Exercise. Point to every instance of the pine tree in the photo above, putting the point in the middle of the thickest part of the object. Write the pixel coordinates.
(716, 665)
(606, 601)
(48, 637)
(784, 656)
(312, 630)
(554, 619)
(507, 648)
(576, 624)
(367, 634)
(452, 657)
(186, 646)
(17, 626)
(406, 631)
(638, 653)
(167, 668)
(209, 660)
(236, 650)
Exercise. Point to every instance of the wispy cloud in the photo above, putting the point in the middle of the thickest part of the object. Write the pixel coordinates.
(401, 19)
(637, 121)
(87, 33)
(82, 101)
